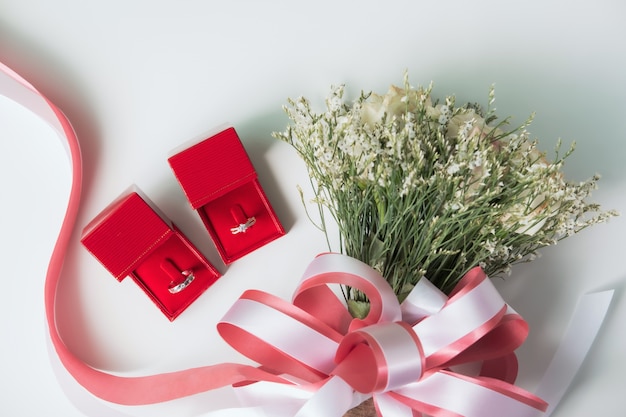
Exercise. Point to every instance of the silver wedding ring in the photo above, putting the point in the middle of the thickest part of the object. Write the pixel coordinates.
(189, 277)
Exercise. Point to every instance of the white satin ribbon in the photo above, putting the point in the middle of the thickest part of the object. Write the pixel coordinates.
(574, 347)
(439, 333)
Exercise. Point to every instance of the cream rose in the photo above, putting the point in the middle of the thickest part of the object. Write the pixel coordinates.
(396, 102)
(463, 119)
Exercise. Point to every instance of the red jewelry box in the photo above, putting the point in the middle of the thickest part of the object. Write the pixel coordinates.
(130, 238)
(221, 184)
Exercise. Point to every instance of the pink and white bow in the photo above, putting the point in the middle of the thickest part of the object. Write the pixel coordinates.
(403, 356)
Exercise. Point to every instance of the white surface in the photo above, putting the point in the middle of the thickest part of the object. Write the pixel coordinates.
(138, 78)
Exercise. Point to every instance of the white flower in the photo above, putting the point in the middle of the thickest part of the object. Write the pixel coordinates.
(335, 101)
(453, 168)
(490, 246)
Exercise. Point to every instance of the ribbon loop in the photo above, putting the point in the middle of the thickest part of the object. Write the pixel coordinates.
(278, 335)
(472, 313)
(334, 268)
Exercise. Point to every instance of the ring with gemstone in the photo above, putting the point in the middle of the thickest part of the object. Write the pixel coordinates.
(243, 227)
(189, 277)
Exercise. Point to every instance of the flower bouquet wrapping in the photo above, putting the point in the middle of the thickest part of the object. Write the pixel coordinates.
(419, 187)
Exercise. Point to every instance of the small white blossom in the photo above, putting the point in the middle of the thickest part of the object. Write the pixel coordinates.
(453, 169)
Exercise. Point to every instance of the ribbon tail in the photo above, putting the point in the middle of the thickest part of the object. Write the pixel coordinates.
(388, 406)
(333, 399)
(275, 400)
(575, 344)
(240, 412)
(472, 397)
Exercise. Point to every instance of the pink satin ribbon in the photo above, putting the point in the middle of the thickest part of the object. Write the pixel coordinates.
(315, 359)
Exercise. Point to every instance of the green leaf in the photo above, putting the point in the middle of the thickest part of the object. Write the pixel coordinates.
(377, 251)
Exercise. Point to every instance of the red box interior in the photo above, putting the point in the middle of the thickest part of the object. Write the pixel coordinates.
(153, 277)
(220, 216)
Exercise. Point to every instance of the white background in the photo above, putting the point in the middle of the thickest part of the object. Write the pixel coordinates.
(138, 78)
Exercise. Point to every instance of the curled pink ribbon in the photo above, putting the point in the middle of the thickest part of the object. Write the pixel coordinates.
(316, 360)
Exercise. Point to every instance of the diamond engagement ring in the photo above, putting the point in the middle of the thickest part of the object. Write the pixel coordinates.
(243, 227)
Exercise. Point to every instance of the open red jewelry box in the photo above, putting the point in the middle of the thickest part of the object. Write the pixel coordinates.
(221, 184)
(130, 238)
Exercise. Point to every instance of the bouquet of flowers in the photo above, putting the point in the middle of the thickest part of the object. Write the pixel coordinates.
(424, 188)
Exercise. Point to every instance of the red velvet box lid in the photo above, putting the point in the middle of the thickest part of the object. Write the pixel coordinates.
(124, 233)
(212, 167)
